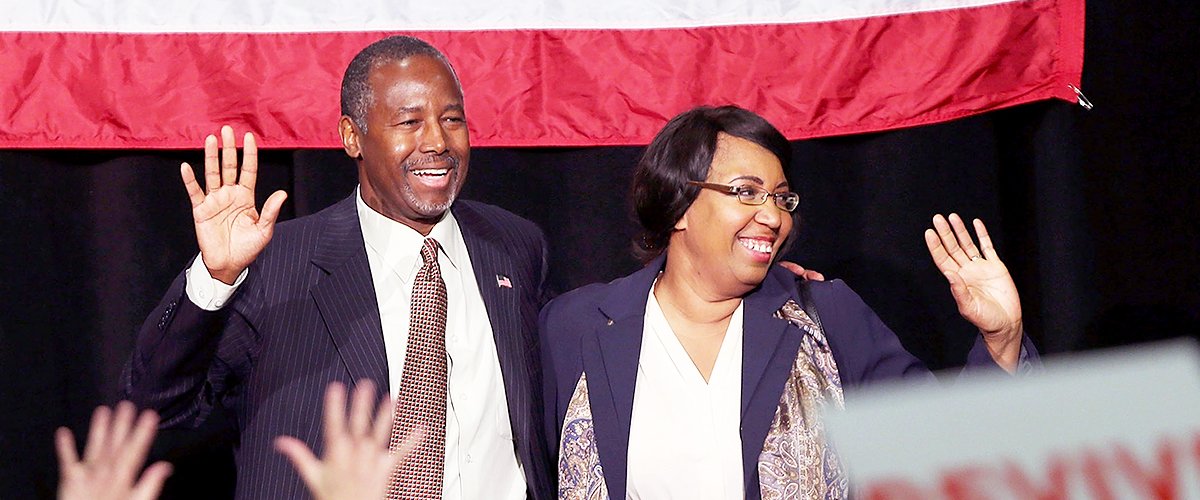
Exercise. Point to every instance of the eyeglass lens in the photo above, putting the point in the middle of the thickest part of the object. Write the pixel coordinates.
(785, 201)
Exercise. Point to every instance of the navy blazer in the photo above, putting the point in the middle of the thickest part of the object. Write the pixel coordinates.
(598, 329)
(307, 315)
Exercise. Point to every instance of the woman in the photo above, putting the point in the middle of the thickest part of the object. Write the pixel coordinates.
(701, 375)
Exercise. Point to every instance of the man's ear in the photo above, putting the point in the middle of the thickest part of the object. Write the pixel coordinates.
(349, 133)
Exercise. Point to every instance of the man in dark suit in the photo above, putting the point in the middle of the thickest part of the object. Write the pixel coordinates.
(267, 316)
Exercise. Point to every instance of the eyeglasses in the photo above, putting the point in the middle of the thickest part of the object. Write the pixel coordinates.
(754, 195)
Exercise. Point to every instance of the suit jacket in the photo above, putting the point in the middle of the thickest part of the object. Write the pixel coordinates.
(307, 315)
(597, 329)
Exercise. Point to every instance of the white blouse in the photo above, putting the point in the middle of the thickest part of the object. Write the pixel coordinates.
(684, 439)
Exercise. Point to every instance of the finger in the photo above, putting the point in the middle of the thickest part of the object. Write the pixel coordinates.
(270, 211)
(134, 453)
(361, 409)
(122, 421)
(964, 237)
(64, 445)
(800, 271)
(228, 157)
(382, 431)
(795, 268)
(335, 413)
(414, 439)
(212, 172)
(195, 193)
(948, 240)
(302, 459)
(119, 449)
(151, 483)
(937, 251)
(249, 162)
(98, 433)
(985, 241)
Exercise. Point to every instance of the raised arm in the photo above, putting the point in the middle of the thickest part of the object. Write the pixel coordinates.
(981, 285)
(172, 368)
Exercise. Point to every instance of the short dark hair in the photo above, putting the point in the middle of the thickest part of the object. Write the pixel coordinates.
(683, 151)
(356, 91)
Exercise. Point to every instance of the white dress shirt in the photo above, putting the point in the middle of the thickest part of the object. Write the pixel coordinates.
(684, 434)
(481, 460)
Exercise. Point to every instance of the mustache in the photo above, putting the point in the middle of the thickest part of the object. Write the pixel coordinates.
(412, 163)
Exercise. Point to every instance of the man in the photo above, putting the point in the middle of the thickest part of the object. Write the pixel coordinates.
(399, 284)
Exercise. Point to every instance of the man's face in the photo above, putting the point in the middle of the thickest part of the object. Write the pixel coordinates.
(412, 160)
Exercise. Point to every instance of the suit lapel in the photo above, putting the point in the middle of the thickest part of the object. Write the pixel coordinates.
(611, 353)
(490, 260)
(769, 348)
(345, 296)
(610, 359)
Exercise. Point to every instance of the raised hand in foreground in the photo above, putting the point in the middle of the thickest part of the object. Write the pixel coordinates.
(357, 463)
(981, 285)
(115, 451)
(230, 231)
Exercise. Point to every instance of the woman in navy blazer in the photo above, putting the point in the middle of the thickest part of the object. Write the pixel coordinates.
(712, 196)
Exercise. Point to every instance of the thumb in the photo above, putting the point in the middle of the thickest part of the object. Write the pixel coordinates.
(958, 289)
(302, 458)
(271, 208)
(151, 483)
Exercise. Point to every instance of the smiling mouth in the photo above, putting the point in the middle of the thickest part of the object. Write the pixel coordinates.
(431, 172)
(757, 246)
(431, 166)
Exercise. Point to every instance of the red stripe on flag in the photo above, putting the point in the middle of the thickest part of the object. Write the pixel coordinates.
(546, 87)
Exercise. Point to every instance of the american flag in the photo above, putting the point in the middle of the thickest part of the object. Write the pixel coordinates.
(502, 281)
(926, 60)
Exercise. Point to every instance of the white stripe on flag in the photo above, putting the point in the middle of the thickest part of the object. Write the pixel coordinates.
(300, 16)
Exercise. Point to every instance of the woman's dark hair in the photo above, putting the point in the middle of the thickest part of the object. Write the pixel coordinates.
(683, 151)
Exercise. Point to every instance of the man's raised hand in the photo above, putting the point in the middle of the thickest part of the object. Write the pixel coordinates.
(230, 231)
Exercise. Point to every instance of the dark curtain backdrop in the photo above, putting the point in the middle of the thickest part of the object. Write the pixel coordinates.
(1093, 211)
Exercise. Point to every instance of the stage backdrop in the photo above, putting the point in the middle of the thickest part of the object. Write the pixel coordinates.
(1095, 212)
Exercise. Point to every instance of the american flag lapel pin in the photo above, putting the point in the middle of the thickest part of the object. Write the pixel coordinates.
(502, 281)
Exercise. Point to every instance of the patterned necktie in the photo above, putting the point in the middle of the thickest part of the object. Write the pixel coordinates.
(422, 399)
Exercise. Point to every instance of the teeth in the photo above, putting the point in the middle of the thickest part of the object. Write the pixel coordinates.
(432, 172)
(757, 245)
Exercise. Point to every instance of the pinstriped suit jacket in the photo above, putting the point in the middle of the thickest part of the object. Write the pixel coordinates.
(307, 315)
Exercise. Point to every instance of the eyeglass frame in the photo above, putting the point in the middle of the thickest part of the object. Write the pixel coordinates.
(760, 198)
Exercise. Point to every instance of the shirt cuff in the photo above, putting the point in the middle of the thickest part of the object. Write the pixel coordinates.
(1024, 365)
(207, 292)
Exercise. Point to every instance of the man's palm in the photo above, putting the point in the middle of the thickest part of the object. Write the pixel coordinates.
(229, 231)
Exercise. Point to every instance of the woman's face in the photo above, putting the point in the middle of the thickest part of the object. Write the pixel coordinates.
(729, 244)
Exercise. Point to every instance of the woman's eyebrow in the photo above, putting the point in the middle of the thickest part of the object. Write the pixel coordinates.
(751, 178)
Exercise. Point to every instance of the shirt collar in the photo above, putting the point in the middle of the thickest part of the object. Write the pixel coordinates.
(400, 246)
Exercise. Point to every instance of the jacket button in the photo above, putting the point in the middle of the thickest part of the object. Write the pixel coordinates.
(166, 316)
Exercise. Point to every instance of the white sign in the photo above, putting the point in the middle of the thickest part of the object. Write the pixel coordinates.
(1112, 425)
